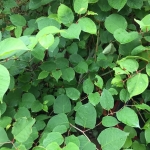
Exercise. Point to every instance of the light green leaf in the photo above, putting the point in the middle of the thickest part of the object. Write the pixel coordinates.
(119, 4)
(88, 86)
(147, 135)
(138, 50)
(39, 148)
(18, 20)
(10, 46)
(68, 74)
(99, 83)
(4, 81)
(53, 137)
(71, 146)
(87, 25)
(86, 116)
(53, 146)
(92, 1)
(124, 37)
(5, 121)
(128, 117)
(106, 100)
(137, 84)
(72, 32)
(56, 74)
(130, 65)
(114, 22)
(109, 121)
(143, 106)
(82, 67)
(110, 49)
(94, 98)
(43, 75)
(65, 14)
(3, 137)
(60, 128)
(124, 95)
(22, 129)
(18, 31)
(72, 93)
(62, 104)
(60, 119)
(80, 7)
(72, 139)
(112, 139)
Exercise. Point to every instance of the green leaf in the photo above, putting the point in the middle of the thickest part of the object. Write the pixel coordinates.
(72, 93)
(138, 50)
(135, 4)
(117, 4)
(72, 32)
(87, 25)
(131, 131)
(88, 86)
(39, 148)
(86, 116)
(60, 119)
(2, 108)
(53, 146)
(94, 98)
(3, 137)
(124, 95)
(130, 65)
(148, 69)
(18, 31)
(62, 104)
(5, 121)
(99, 83)
(80, 7)
(72, 139)
(147, 135)
(137, 84)
(112, 139)
(43, 75)
(110, 49)
(143, 106)
(56, 74)
(104, 6)
(122, 36)
(71, 146)
(106, 100)
(10, 46)
(81, 68)
(18, 20)
(22, 129)
(60, 128)
(128, 117)
(4, 81)
(109, 121)
(46, 41)
(65, 14)
(114, 22)
(53, 137)
(36, 106)
(68, 74)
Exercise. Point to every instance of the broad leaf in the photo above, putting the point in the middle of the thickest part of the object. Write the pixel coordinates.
(143, 107)
(3, 138)
(80, 7)
(62, 104)
(119, 4)
(72, 93)
(73, 139)
(136, 4)
(114, 22)
(71, 146)
(53, 137)
(4, 81)
(148, 69)
(147, 135)
(87, 25)
(122, 36)
(137, 84)
(128, 117)
(124, 95)
(22, 129)
(99, 81)
(86, 116)
(65, 14)
(94, 98)
(88, 86)
(106, 100)
(72, 32)
(10, 47)
(112, 139)
(109, 121)
(18, 20)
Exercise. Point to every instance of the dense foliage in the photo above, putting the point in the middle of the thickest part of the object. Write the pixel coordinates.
(74, 74)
